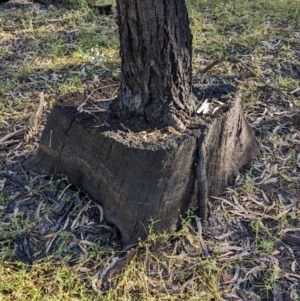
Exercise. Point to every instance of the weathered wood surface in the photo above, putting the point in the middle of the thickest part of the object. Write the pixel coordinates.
(137, 182)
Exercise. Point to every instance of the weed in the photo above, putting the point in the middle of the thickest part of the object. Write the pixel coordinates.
(271, 277)
(266, 246)
(2, 198)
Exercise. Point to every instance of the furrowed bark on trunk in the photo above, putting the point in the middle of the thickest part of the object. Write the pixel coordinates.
(156, 45)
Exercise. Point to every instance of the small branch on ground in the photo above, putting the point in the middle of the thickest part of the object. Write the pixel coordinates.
(39, 112)
(32, 131)
(99, 88)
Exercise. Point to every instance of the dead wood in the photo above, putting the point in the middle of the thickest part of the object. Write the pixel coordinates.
(143, 183)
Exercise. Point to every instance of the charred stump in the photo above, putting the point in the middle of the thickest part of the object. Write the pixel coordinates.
(137, 178)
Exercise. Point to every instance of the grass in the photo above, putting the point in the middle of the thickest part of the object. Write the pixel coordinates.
(66, 50)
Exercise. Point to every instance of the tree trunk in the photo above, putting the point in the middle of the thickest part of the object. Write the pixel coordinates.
(156, 47)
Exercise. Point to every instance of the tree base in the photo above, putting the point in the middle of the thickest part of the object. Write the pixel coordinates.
(145, 183)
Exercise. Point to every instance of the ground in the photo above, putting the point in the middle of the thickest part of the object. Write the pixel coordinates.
(55, 244)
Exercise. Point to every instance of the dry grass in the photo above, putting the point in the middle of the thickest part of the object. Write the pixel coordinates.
(250, 247)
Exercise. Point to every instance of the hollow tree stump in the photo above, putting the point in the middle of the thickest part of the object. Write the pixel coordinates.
(137, 181)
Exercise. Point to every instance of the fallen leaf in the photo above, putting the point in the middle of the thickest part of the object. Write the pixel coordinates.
(268, 181)
(293, 266)
(203, 108)
(2, 183)
(255, 270)
(106, 269)
(224, 235)
(101, 212)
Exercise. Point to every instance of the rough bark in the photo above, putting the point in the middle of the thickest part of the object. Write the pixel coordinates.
(136, 182)
(156, 45)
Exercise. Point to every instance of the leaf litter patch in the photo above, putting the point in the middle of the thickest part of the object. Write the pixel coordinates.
(52, 218)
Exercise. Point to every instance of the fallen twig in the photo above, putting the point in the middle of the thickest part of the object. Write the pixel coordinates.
(39, 112)
(90, 95)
